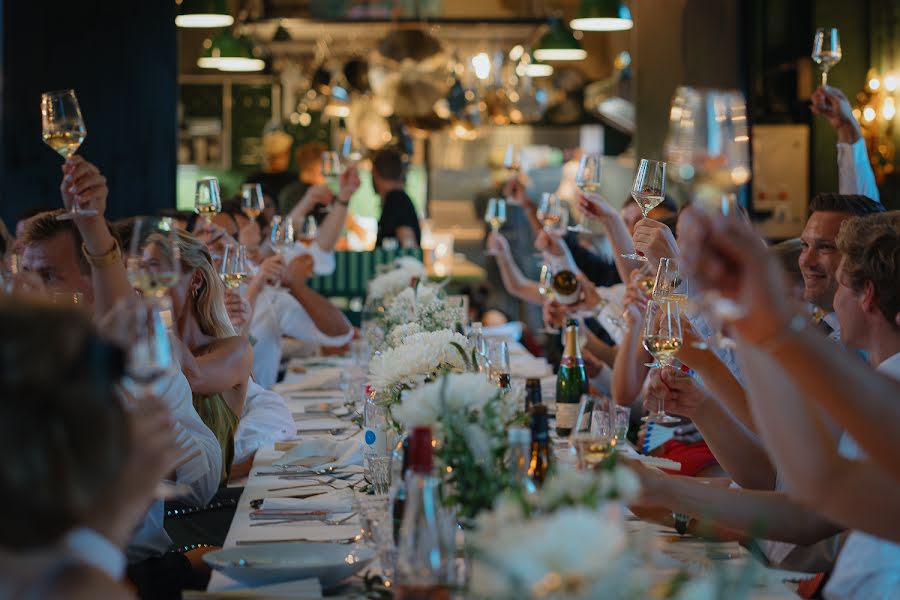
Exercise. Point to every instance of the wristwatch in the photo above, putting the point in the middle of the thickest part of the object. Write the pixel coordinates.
(682, 521)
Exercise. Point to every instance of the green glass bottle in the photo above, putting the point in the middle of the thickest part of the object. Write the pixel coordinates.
(571, 382)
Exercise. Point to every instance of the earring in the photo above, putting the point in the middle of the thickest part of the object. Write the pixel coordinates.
(195, 293)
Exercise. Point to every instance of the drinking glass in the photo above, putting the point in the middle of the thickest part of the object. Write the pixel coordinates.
(620, 421)
(332, 167)
(208, 198)
(512, 158)
(69, 299)
(154, 259)
(234, 269)
(648, 190)
(826, 50)
(282, 237)
(361, 354)
(309, 230)
(64, 131)
(669, 284)
(150, 355)
(252, 201)
(498, 356)
(495, 214)
(708, 143)
(588, 176)
(662, 339)
(545, 288)
(549, 211)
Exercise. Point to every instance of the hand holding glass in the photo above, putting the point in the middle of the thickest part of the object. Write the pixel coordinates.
(63, 130)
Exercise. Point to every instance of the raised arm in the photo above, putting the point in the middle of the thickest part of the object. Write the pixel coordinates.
(595, 206)
(83, 185)
(513, 279)
(333, 225)
(327, 318)
(629, 371)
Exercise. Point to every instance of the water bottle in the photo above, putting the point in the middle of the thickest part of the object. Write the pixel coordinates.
(375, 434)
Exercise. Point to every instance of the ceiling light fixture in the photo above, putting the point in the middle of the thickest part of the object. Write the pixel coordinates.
(558, 43)
(602, 15)
(203, 13)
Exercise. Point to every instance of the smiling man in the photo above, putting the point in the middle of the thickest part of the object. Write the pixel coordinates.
(819, 257)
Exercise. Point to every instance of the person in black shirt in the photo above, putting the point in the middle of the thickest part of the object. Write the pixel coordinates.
(398, 215)
(275, 175)
(308, 159)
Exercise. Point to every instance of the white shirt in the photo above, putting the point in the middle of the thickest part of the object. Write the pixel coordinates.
(202, 473)
(95, 550)
(855, 174)
(266, 419)
(867, 567)
(278, 314)
(323, 262)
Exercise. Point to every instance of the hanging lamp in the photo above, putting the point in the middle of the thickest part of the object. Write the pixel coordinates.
(602, 15)
(558, 43)
(203, 13)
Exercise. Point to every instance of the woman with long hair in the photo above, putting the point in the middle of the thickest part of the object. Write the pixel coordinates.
(214, 359)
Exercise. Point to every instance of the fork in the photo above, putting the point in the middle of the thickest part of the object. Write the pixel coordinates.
(326, 521)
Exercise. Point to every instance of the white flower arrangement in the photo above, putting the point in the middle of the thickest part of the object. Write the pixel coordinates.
(418, 357)
(384, 287)
(417, 309)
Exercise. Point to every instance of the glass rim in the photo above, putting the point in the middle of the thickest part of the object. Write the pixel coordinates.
(61, 92)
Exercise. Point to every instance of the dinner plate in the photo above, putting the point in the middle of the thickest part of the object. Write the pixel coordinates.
(271, 563)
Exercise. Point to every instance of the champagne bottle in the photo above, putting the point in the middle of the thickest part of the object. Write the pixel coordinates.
(571, 382)
(532, 393)
(539, 465)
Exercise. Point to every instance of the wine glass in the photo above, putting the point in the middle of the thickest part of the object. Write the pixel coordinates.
(495, 214)
(498, 356)
(150, 356)
(154, 259)
(545, 289)
(282, 237)
(826, 50)
(588, 176)
(648, 190)
(550, 211)
(669, 283)
(511, 162)
(662, 339)
(235, 268)
(708, 143)
(208, 198)
(63, 130)
(252, 201)
(332, 167)
(309, 230)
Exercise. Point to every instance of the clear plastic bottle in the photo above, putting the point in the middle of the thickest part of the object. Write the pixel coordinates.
(375, 435)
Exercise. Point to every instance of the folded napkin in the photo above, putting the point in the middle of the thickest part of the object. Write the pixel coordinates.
(311, 531)
(338, 501)
(325, 378)
(346, 452)
(321, 424)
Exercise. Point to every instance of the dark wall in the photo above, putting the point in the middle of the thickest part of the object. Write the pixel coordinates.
(121, 58)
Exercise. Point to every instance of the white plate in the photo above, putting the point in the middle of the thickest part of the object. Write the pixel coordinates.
(271, 563)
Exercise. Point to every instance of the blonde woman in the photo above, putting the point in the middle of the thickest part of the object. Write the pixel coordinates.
(215, 360)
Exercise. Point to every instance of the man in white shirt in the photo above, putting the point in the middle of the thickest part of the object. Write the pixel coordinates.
(855, 174)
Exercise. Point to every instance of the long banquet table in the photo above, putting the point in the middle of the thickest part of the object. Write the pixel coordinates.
(687, 552)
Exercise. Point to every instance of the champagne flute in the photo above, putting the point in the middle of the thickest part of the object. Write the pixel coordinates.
(511, 162)
(234, 269)
(588, 176)
(826, 50)
(308, 231)
(282, 237)
(662, 339)
(154, 259)
(252, 201)
(498, 356)
(648, 190)
(495, 216)
(208, 198)
(63, 130)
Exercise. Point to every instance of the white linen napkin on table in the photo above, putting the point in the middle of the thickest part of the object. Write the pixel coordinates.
(325, 378)
(347, 452)
(339, 501)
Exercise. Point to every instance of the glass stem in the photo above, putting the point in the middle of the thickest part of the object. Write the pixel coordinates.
(824, 77)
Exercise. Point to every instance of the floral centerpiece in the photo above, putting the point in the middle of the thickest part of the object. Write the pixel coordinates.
(566, 541)
(414, 310)
(419, 357)
(469, 418)
(407, 272)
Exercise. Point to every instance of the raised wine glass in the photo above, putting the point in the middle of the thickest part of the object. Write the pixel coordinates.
(670, 284)
(648, 190)
(154, 260)
(63, 130)
(549, 211)
(234, 269)
(588, 176)
(282, 237)
(208, 198)
(495, 216)
(826, 50)
(545, 289)
(662, 339)
(252, 201)
(308, 232)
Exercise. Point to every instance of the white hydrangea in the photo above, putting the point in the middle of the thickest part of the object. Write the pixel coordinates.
(387, 285)
(455, 393)
(401, 332)
(419, 357)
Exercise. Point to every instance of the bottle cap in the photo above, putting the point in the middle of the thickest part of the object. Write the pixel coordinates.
(421, 451)
(518, 436)
(539, 421)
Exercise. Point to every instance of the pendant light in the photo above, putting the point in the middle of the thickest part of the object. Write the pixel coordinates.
(559, 44)
(203, 13)
(602, 15)
(226, 52)
(536, 68)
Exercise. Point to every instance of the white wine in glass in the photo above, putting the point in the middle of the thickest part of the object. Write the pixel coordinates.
(235, 269)
(208, 198)
(495, 214)
(662, 339)
(62, 128)
(588, 177)
(826, 50)
(252, 201)
(154, 261)
(648, 190)
(550, 211)
(309, 231)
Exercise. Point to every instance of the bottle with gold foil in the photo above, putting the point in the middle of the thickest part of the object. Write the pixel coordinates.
(571, 381)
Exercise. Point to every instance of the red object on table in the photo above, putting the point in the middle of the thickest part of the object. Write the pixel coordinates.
(693, 457)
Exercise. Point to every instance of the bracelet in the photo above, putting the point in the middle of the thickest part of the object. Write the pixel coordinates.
(341, 202)
(770, 345)
(104, 260)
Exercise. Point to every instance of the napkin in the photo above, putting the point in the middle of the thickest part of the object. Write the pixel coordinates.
(339, 501)
(347, 452)
(316, 379)
(321, 424)
(313, 531)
